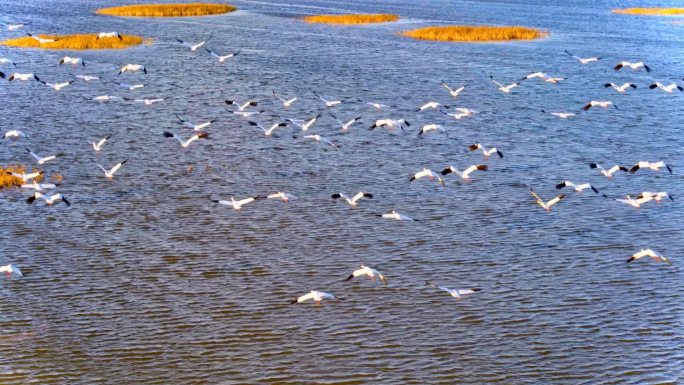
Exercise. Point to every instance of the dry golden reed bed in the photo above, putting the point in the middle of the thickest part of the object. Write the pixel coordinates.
(651, 11)
(350, 19)
(167, 10)
(469, 33)
(76, 41)
(7, 180)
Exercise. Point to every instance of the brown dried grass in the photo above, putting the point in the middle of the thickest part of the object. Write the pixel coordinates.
(75, 41)
(167, 10)
(470, 33)
(352, 19)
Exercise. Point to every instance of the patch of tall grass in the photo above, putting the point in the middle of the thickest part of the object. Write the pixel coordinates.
(351, 19)
(76, 41)
(167, 10)
(651, 11)
(471, 33)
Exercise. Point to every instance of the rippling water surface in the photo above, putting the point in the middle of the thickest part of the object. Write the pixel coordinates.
(144, 280)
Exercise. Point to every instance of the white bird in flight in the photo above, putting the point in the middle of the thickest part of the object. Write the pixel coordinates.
(24, 176)
(39, 186)
(316, 296)
(608, 173)
(304, 125)
(562, 115)
(655, 166)
(453, 92)
(108, 98)
(42, 40)
(133, 68)
(432, 127)
(598, 103)
(328, 103)
(584, 60)
(22, 77)
(11, 271)
(431, 105)
(222, 58)
(56, 86)
(367, 271)
(505, 89)
(193, 47)
(465, 174)
(486, 152)
(97, 146)
(42, 159)
(237, 205)
(14, 134)
(242, 106)
(72, 60)
(49, 199)
(546, 205)
(320, 139)
(657, 196)
(130, 87)
(426, 172)
(622, 88)
(669, 88)
(390, 123)
(186, 143)
(648, 253)
(577, 187)
(110, 173)
(87, 78)
(635, 66)
(285, 197)
(460, 113)
(104, 35)
(456, 293)
(353, 200)
(543, 76)
(377, 106)
(195, 126)
(268, 131)
(145, 101)
(636, 203)
(394, 215)
(349, 123)
(14, 26)
(286, 102)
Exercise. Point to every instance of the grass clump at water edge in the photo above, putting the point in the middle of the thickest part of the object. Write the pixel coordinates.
(167, 10)
(75, 41)
(470, 33)
(651, 11)
(351, 19)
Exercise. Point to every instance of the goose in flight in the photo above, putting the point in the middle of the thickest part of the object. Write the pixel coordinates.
(237, 205)
(108, 98)
(286, 102)
(546, 205)
(42, 159)
(485, 152)
(247, 114)
(635, 66)
(544, 77)
(222, 58)
(4, 60)
(285, 197)
(87, 78)
(390, 123)
(328, 103)
(456, 293)
(394, 215)
(657, 196)
(133, 68)
(655, 166)
(432, 127)
(14, 134)
(72, 60)
(377, 106)
(636, 203)
(186, 143)
(49, 199)
(431, 105)
(577, 187)
(460, 113)
(145, 101)
(602, 104)
(11, 271)
(426, 172)
(39, 186)
(56, 86)
(465, 174)
(453, 92)
(24, 176)
(97, 146)
(648, 253)
(42, 40)
(343, 125)
(621, 89)
(268, 131)
(608, 173)
(304, 125)
(665, 88)
(505, 89)
(104, 35)
(193, 47)
(316, 296)
(130, 87)
(562, 115)
(243, 106)
(15, 26)
(110, 173)
(584, 60)
(320, 139)
(23, 77)
(368, 271)
(352, 201)
(195, 126)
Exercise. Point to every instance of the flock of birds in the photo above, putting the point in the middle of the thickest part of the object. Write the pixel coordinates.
(247, 109)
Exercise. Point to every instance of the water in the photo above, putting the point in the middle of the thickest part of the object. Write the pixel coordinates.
(144, 280)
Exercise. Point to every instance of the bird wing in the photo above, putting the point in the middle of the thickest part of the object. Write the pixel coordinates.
(469, 170)
(305, 297)
(555, 200)
(245, 201)
(116, 167)
(360, 272)
(539, 200)
(358, 196)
